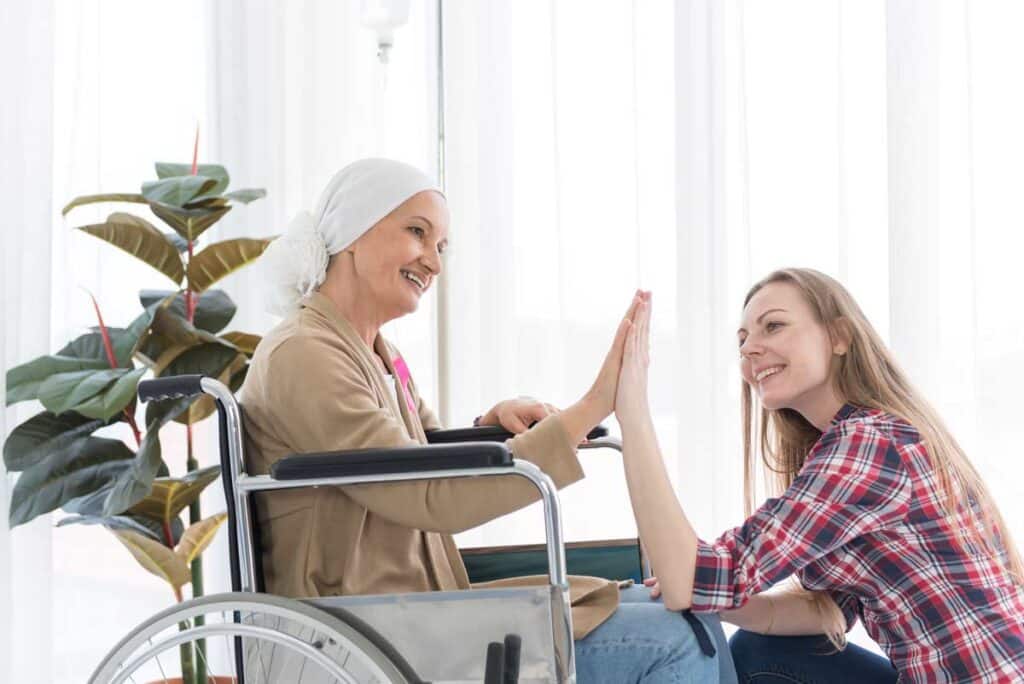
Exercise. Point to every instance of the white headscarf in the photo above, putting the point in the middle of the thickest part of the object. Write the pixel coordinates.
(358, 196)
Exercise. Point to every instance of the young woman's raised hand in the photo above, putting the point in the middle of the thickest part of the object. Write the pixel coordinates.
(631, 393)
(602, 392)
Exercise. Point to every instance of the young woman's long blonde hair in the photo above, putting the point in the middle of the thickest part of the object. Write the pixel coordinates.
(866, 375)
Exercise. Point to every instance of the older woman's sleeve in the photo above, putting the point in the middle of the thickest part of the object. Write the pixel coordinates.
(332, 407)
(854, 482)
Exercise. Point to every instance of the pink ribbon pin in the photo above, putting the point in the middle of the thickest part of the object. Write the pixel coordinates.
(402, 371)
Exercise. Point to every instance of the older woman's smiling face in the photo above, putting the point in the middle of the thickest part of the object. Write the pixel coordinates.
(398, 259)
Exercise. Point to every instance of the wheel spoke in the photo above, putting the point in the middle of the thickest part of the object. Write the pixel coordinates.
(158, 663)
(270, 638)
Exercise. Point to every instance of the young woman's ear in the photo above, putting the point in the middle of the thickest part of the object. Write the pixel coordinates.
(841, 335)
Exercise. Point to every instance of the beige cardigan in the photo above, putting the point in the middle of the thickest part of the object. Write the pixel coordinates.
(314, 386)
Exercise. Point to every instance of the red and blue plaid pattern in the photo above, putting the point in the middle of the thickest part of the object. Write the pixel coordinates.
(862, 521)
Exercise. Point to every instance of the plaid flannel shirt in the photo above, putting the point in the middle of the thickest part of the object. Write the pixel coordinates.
(862, 521)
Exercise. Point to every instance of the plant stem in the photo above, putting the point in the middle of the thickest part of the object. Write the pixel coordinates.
(188, 672)
(130, 419)
(194, 516)
(191, 464)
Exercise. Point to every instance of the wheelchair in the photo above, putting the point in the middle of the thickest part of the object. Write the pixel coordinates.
(495, 635)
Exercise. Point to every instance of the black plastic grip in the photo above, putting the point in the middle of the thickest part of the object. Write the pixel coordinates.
(513, 646)
(369, 462)
(489, 433)
(494, 666)
(170, 388)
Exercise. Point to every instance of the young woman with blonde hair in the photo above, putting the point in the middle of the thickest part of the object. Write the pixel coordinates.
(877, 511)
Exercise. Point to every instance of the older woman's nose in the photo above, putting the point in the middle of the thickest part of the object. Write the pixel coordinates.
(432, 260)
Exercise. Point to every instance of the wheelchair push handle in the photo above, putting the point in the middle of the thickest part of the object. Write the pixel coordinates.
(170, 388)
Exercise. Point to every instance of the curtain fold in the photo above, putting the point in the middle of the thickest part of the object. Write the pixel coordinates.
(26, 134)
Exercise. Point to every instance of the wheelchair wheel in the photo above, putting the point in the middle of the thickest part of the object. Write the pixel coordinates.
(270, 638)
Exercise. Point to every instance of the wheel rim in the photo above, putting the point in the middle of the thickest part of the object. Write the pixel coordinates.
(279, 639)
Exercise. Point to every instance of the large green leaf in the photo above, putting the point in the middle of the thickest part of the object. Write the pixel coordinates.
(171, 495)
(192, 222)
(125, 342)
(133, 485)
(165, 410)
(64, 391)
(128, 341)
(177, 190)
(176, 330)
(198, 537)
(214, 360)
(207, 202)
(142, 240)
(93, 199)
(246, 342)
(246, 195)
(92, 503)
(89, 464)
(93, 393)
(156, 558)
(44, 434)
(89, 346)
(114, 522)
(215, 171)
(23, 381)
(145, 526)
(172, 336)
(221, 259)
(111, 401)
(214, 308)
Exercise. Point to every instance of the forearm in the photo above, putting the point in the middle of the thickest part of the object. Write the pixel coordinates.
(668, 537)
(580, 418)
(779, 613)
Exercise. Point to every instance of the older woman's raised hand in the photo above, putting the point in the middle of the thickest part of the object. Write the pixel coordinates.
(595, 405)
(603, 391)
(517, 415)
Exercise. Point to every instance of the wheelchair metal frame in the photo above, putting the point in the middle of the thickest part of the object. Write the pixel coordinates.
(242, 486)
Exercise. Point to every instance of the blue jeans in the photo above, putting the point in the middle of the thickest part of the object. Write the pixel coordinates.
(805, 660)
(644, 643)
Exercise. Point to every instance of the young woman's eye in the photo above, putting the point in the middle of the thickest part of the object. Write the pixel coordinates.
(772, 325)
(417, 231)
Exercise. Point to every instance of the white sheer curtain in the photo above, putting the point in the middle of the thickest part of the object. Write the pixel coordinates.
(26, 132)
(687, 147)
(88, 120)
(691, 148)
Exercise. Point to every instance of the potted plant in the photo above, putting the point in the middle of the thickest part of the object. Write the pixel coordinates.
(90, 384)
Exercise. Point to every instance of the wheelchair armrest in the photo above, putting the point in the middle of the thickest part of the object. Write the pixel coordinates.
(414, 459)
(489, 433)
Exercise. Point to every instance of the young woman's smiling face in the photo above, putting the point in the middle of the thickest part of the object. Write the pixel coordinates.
(787, 354)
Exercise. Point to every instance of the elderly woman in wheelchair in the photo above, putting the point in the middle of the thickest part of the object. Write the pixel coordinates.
(325, 380)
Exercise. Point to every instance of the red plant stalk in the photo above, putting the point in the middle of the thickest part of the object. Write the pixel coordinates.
(195, 152)
(108, 347)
